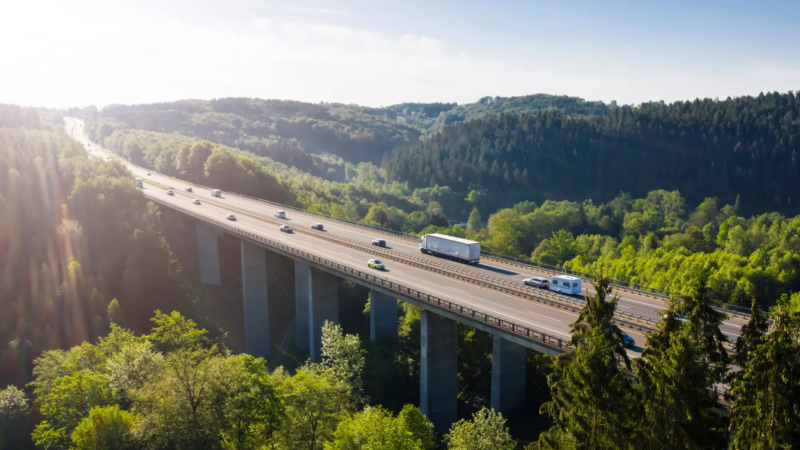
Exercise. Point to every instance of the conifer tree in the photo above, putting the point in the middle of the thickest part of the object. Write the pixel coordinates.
(766, 396)
(592, 402)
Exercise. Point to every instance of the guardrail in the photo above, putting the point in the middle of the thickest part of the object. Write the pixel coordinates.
(496, 322)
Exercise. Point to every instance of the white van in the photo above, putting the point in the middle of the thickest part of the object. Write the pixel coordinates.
(216, 193)
(566, 284)
(280, 214)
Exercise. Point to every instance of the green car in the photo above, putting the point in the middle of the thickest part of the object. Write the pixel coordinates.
(375, 264)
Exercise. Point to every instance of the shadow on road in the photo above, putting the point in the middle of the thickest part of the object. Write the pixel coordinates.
(497, 269)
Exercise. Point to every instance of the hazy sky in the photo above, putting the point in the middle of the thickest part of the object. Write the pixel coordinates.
(77, 52)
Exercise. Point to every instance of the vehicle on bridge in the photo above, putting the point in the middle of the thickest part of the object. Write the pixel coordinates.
(280, 214)
(196, 201)
(286, 229)
(566, 284)
(627, 341)
(140, 182)
(376, 264)
(230, 217)
(170, 192)
(189, 189)
(379, 242)
(216, 193)
(318, 226)
(450, 247)
(539, 282)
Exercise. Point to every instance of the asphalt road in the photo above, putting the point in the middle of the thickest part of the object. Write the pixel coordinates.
(524, 312)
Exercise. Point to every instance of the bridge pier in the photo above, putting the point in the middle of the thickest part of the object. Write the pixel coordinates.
(323, 305)
(256, 300)
(439, 370)
(301, 302)
(208, 254)
(382, 316)
(508, 376)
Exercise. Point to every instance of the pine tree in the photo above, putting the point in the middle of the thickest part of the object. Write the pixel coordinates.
(705, 322)
(592, 403)
(766, 396)
(675, 385)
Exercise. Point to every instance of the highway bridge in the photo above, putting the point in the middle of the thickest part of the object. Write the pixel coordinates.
(490, 296)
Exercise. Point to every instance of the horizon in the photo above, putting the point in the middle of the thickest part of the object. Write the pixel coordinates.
(353, 52)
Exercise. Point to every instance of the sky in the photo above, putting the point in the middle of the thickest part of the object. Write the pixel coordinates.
(63, 53)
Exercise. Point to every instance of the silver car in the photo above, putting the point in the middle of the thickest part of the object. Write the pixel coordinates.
(539, 282)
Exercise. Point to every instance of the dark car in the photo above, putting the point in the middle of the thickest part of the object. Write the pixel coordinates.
(318, 226)
(189, 189)
(627, 341)
(379, 242)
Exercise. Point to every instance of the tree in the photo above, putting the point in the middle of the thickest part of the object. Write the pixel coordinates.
(315, 403)
(132, 367)
(766, 395)
(705, 322)
(343, 355)
(115, 314)
(13, 406)
(106, 428)
(592, 398)
(474, 223)
(419, 426)
(416, 221)
(174, 332)
(676, 388)
(486, 431)
(373, 429)
(558, 249)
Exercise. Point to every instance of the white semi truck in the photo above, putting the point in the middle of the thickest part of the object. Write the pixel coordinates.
(450, 247)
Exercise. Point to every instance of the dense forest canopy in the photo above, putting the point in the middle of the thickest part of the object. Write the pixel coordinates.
(746, 146)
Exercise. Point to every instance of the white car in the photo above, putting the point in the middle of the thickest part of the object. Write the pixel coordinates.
(170, 192)
(230, 217)
(196, 201)
(280, 214)
(537, 282)
(286, 229)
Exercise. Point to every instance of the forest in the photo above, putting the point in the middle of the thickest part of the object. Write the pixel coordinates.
(746, 147)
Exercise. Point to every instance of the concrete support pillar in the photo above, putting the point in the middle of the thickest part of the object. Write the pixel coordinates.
(439, 370)
(382, 316)
(508, 376)
(323, 305)
(256, 300)
(301, 302)
(208, 254)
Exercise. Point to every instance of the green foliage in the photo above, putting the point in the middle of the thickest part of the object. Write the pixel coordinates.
(766, 395)
(374, 429)
(343, 355)
(486, 431)
(592, 404)
(13, 406)
(106, 428)
(316, 402)
(174, 331)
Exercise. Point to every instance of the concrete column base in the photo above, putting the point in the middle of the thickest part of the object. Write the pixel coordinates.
(323, 305)
(382, 316)
(301, 296)
(256, 300)
(508, 376)
(208, 254)
(439, 370)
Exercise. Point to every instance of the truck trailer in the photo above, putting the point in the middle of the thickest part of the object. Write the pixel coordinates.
(140, 182)
(566, 284)
(450, 247)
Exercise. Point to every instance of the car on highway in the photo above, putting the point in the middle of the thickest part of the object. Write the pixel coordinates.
(539, 282)
(318, 226)
(170, 192)
(627, 341)
(230, 217)
(148, 174)
(379, 242)
(376, 264)
(196, 201)
(280, 214)
(189, 189)
(286, 229)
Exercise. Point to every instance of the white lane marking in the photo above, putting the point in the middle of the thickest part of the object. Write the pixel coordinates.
(459, 290)
(623, 306)
(542, 315)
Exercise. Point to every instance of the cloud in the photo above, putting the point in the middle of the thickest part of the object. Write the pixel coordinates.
(310, 10)
(262, 24)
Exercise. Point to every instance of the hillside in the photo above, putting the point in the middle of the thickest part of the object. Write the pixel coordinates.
(746, 146)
